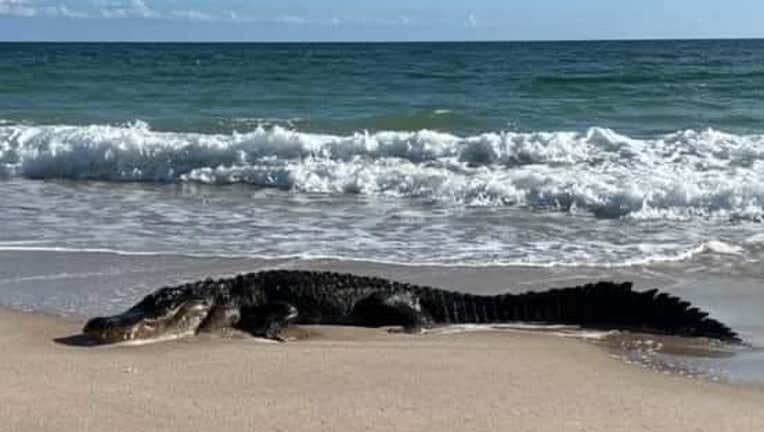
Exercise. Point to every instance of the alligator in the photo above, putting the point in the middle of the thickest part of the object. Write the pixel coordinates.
(265, 302)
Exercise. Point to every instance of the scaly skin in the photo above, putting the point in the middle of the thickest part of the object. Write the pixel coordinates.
(263, 303)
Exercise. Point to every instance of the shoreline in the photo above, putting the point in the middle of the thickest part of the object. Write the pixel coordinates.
(87, 284)
(347, 379)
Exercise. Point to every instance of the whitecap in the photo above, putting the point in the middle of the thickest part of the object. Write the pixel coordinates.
(683, 175)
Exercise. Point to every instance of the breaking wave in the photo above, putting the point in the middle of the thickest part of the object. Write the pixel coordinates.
(683, 175)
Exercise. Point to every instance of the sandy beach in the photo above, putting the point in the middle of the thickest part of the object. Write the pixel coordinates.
(347, 379)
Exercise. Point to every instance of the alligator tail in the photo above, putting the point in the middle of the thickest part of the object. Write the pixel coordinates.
(604, 305)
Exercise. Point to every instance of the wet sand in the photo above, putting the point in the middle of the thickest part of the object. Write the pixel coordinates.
(347, 379)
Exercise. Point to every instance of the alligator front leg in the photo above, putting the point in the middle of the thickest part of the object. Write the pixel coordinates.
(221, 317)
(390, 309)
(267, 321)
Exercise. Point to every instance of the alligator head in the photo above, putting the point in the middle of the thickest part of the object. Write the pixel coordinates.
(170, 318)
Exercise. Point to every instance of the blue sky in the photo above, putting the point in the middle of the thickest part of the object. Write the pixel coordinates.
(348, 20)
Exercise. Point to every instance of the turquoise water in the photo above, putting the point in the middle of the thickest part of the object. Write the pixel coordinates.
(635, 88)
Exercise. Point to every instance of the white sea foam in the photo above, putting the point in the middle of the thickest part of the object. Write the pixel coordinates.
(646, 257)
(551, 329)
(723, 248)
(683, 175)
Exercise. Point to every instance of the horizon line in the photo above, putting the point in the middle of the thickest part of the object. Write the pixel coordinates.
(413, 41)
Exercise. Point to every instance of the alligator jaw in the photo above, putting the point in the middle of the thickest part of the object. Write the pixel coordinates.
(136, 325)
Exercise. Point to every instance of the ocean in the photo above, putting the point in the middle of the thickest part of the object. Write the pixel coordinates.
(613, 157)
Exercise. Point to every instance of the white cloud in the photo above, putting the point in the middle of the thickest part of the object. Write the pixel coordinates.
(193, 15)
(232, 15)
(123, 9)
(141, 9)
(62, 11)
(130, 9)
(471, 20)
(69, 13)
(27, 8)
(21, 8)
(392, 21)
(290, 19)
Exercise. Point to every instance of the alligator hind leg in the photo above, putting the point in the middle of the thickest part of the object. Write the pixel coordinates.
(396, 309)
(267, 321)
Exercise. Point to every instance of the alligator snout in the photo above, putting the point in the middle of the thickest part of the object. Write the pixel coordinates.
(181, 320)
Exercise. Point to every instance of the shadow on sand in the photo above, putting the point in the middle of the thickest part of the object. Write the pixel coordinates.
(78, 340)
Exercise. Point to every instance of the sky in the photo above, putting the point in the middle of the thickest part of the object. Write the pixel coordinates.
(381, 20)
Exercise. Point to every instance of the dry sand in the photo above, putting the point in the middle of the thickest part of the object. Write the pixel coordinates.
(342, 379)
